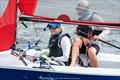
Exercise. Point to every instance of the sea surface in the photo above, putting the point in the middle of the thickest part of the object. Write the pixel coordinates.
(109, 10)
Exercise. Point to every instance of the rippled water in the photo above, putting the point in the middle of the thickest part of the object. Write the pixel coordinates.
(53, 8)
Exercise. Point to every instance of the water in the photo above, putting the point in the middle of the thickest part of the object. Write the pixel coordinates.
(108, 9)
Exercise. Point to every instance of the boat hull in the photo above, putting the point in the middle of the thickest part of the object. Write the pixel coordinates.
(11, 68)
(22, 74)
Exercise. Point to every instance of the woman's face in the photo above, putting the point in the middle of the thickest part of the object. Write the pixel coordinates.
(80, 10)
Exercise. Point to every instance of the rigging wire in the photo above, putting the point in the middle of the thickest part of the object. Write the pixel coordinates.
(35, 29)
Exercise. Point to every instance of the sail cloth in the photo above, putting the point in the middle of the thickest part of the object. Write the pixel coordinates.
(8, 20)
(8, 25)
(27, 7)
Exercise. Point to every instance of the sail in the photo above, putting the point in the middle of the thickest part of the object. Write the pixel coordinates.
(27, 7)
(7, 24)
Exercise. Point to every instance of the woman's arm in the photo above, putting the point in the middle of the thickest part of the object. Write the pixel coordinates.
(66, 48)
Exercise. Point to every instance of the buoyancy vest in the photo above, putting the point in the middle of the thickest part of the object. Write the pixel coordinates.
(55, 47)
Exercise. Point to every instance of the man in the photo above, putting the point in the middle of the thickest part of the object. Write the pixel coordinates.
(59, 44)
(80, 44)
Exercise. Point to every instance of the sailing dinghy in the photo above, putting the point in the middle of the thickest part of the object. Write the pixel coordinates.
(16, 66)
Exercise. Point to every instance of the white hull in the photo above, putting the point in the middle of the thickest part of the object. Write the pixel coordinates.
(107, 62)
(13, 68)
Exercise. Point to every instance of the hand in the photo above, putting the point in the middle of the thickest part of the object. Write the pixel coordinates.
(96, 37)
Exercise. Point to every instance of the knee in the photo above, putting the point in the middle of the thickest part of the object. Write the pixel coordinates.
(92, 50)
(77, 41)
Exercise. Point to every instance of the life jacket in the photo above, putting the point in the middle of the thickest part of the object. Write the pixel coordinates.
(55, 47)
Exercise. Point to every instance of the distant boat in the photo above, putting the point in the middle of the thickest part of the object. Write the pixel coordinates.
(18, 67)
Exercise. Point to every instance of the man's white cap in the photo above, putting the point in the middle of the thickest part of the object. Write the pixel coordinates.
(83, 4)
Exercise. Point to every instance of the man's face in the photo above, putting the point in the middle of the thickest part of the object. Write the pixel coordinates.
(54, 31)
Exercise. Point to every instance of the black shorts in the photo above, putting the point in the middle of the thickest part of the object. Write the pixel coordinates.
(83, 48)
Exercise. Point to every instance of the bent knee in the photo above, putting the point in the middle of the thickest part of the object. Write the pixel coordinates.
(77, 41)
(92, 50)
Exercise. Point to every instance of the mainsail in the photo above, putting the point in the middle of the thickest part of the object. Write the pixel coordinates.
(8, 25)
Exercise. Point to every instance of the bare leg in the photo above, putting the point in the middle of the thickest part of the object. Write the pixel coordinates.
(75, 51)
(93, 57)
